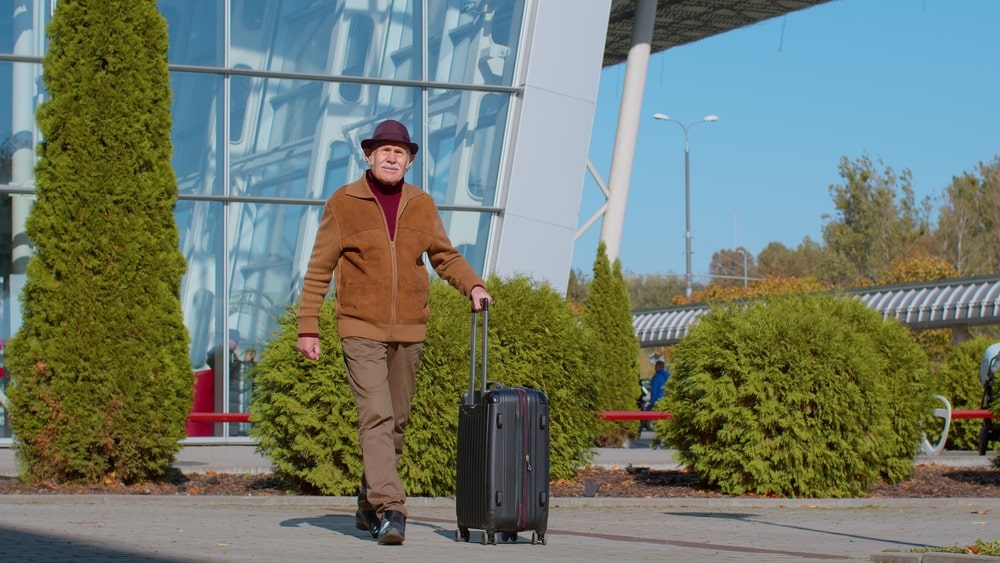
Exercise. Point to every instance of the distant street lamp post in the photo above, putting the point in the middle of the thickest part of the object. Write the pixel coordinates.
(687, 192)
(744, 253)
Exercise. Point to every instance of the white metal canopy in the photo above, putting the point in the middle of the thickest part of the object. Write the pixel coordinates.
(954, 303)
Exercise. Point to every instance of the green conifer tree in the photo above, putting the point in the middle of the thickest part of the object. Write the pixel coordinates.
(102, 382)
(613, 348)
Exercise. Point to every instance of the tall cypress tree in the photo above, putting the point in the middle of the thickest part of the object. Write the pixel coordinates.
(613, 346)
(102, 382)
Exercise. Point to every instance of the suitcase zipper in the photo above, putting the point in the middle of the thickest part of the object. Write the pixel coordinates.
(522, 511)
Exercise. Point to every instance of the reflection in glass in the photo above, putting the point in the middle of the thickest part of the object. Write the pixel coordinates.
(469, 232)
(257, 153)
(194, 31)
(197, 132)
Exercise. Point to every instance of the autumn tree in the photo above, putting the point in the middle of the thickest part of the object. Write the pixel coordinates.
(968, 227)
(653, 291)
(101, 380)
(732, 267)
(777, 260)
(877, 219)
(576, 290)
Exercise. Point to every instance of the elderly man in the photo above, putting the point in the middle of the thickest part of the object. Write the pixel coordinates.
(374, 234)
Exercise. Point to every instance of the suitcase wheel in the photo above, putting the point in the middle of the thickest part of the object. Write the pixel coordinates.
(508, 536)
(488, 538)
(537, 538)
(462, 534)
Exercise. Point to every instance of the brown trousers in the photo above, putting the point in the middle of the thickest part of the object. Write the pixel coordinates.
(383, 379)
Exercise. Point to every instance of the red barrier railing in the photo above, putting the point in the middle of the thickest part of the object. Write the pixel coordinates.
(657, 415)
(979, 413)
(218, 417)
(635, 415)
(606, 415)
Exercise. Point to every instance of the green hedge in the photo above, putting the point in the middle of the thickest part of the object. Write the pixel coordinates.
(101, 381)
(614, 348)
(306, 419)
(800, 396)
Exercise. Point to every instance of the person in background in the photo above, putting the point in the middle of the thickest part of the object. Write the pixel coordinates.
(239, 384)
(236, 364)
(660, 377)
(374, 234)
(989, 362)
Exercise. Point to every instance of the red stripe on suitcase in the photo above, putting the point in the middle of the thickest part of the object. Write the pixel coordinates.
(522, 510)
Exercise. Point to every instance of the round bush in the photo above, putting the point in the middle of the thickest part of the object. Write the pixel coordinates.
(799, 396)
(306, 421)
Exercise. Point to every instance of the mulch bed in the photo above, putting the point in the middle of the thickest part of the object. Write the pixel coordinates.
(928, 481)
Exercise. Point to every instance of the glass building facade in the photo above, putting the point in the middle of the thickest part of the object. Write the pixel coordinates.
(271, 99)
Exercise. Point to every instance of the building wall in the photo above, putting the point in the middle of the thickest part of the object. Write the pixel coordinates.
(270, 101)
(551, 140)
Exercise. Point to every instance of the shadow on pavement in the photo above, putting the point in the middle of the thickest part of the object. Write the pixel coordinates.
(32, 546)
(753, 518)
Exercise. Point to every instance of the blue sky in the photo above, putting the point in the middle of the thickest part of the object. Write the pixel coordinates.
(914, 83)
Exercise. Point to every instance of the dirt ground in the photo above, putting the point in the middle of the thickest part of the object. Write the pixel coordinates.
(927, 482)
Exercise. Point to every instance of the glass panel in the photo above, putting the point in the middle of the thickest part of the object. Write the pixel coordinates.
(466, 142)
(469, 232)
(5, 329)
(266, 241)
(240, 88)
(22, 22)
(358, 39)
(195, 31)
(7, 140)
(197, 132)
(200, 224)
(289, 36)
(473, 42)
(5, 431)
(274, 161)
(338, 168)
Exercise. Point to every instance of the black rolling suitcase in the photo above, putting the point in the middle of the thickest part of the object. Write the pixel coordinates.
(503, 458)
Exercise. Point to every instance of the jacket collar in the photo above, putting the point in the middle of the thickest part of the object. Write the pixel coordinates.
(359, 188)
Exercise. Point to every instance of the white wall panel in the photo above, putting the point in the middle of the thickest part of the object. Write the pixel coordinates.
(552, 138)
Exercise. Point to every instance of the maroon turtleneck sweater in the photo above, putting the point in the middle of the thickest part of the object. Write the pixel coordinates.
(388, 197)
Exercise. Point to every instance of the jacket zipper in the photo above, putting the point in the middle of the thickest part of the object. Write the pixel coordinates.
(395, 266)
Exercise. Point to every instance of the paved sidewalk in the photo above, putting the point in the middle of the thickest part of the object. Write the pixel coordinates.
(55, 528)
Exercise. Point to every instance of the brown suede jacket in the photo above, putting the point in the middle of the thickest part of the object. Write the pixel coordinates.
(381, 286)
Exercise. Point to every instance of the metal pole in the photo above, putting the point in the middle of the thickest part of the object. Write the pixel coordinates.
(687, 215)
(687, 192)
(744, 253)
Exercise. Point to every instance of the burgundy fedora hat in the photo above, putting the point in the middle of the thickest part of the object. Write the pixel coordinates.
(390, 131)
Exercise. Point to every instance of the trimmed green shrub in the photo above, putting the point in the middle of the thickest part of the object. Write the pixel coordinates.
(539, 343)
(957, 379)
(800, 396)
(306, 420)
(613, 349)
(101, 380)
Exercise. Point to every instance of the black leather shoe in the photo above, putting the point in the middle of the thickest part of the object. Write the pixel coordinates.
(367, 520)
(393, 530)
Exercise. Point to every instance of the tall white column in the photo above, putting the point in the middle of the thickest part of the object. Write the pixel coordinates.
(628, 126)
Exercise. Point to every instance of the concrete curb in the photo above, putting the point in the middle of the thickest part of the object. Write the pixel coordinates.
(930, 557)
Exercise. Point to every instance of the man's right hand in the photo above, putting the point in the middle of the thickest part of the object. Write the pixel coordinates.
(309, 346)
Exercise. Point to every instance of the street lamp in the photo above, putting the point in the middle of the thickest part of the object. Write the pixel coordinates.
(744, 253)
(687, 191)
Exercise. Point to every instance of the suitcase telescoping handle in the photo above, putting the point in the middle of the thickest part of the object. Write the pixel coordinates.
(470, 399)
